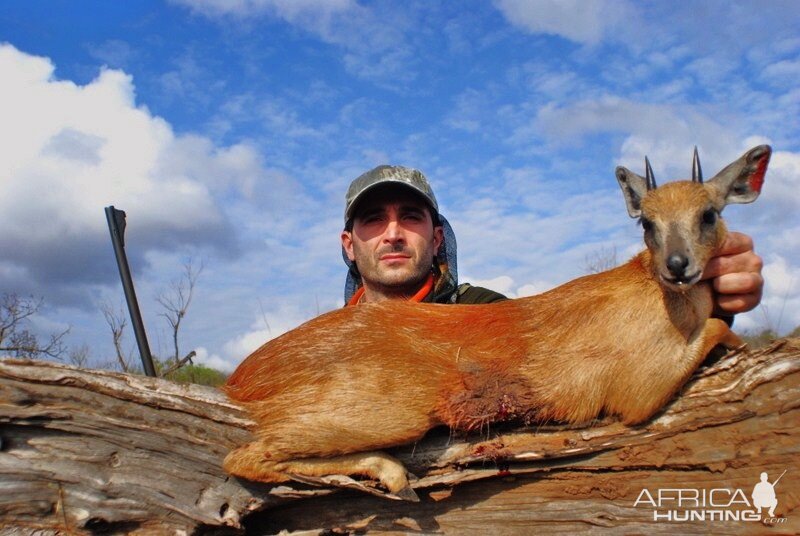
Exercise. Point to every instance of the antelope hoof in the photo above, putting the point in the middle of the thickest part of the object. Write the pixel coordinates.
(408, 494)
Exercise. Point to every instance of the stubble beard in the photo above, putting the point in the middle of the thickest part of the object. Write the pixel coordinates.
(400, 280)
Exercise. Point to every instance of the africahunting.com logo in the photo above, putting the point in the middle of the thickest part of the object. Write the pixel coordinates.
(719, 504)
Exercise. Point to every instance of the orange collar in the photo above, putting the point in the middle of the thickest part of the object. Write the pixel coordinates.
(418, 297)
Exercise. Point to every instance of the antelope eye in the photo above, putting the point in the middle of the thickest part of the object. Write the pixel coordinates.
(710, 216)
(647, 225)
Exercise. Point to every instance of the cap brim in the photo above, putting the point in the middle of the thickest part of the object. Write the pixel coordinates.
(353, 205)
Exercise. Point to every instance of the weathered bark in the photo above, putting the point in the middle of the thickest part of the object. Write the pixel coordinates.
(97, 451)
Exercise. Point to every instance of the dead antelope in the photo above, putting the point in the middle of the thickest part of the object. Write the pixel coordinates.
(328, 394)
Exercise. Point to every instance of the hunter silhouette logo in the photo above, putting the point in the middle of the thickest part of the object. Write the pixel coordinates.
(764, 494)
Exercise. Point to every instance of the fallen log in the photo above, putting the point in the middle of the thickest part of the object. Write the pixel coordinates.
(86, 451)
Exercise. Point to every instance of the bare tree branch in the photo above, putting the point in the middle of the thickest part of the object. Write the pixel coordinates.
(116, 320)
(600, 261)
(13, 311)
(18, 341)
(175, 366)
(177, 299)
(80, 356)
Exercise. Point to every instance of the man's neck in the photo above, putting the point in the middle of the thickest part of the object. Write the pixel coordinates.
(378, 293)
(375, 295)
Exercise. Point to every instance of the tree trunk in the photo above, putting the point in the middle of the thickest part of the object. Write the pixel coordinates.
(94, 451)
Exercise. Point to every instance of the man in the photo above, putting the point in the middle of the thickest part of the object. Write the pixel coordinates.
(398, 246)
(764, 494)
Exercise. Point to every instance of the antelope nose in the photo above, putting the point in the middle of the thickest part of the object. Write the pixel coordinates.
(677, 263)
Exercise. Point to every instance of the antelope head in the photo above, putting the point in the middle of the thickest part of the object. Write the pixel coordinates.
(681, 220)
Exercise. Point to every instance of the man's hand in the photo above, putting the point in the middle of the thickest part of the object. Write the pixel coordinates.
(736, 274)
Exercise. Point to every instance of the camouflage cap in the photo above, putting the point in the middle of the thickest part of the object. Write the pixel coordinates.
(412, 178)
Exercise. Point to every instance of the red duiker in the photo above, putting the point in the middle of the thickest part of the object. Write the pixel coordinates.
(328, 394)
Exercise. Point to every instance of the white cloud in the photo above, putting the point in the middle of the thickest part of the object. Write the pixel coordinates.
(782, 184)
(69, 150)
(783, 71)
(375, 41)
(531, 289)
(290, 10)
(583, 21)
(524, 242)
(340, 22)
(502, 284)
(507, 286)
(268, 325)
(213, 361)
(780, 307)
(113, 52)
(554, 84)
(666, 133)
(468, 110)
(245, 343)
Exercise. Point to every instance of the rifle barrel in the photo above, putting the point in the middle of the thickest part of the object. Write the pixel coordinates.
(116, 225)
(776, 481)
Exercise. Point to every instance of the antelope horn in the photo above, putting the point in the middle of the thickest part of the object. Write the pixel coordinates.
(649, 178)
(697, 172)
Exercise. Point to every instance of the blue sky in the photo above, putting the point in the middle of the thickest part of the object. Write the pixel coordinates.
(229, 131)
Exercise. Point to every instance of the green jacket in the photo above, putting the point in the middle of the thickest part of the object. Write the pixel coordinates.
(466, 293)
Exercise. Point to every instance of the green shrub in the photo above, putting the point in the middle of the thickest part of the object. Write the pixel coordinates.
(199, 374)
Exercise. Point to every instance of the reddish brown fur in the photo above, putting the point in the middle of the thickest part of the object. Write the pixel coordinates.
(377, 375)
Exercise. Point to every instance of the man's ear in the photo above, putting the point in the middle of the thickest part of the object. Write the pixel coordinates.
(741, 181)
(634, 188)
(438, 238)
(347, 244)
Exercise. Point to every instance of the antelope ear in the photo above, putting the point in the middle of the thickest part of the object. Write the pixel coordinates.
(634, 188)
(741, 180)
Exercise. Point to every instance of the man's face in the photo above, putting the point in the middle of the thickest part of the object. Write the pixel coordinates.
(393, 240)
